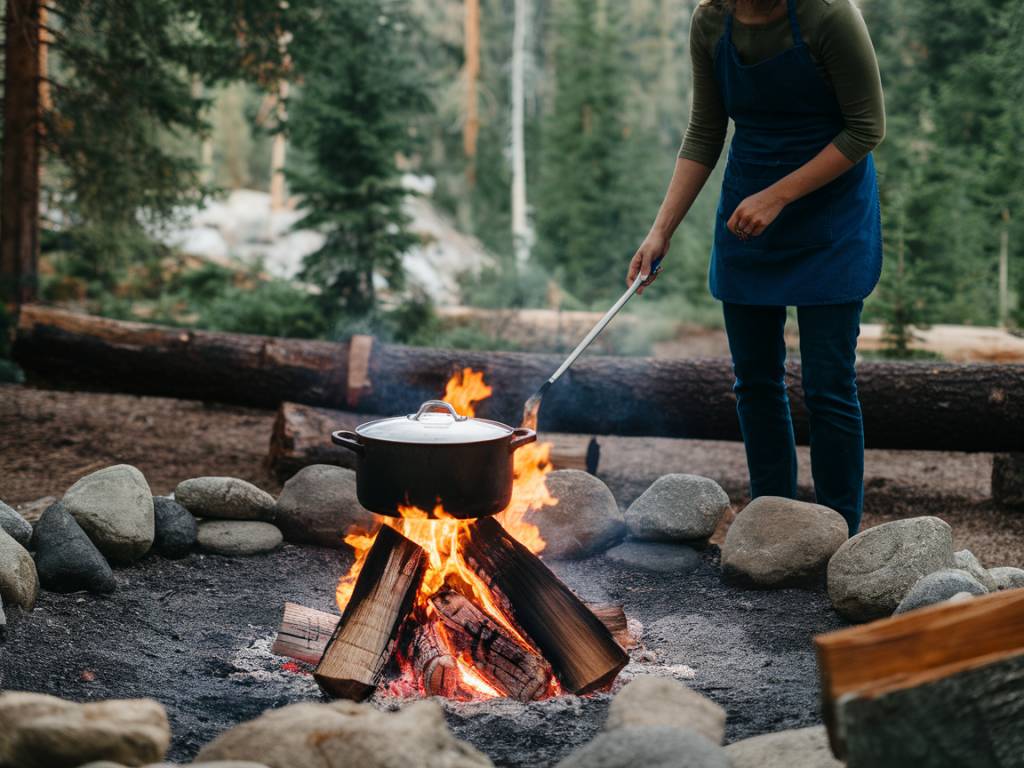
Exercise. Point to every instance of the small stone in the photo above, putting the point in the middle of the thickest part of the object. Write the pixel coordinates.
(586, 520)
(961, 597)
(114, 506)
(19, 582)
(655, 556)
(225, 498)
(871, 573)
(66, 559)
(176, 528)
(16, 526)
(33, 510)
(776, 542)
(238, 537)
(658, 701)
(648, 747)
(319, 506)
(678, 507)
(799, 748)
(1006, 577)
(939, 586)
(966, 561)
(346, 733)
(38, 731)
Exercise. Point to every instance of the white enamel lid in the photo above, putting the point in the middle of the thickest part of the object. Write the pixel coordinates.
(435, 423)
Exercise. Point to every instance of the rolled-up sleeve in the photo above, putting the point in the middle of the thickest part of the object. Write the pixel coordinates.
(705, 132)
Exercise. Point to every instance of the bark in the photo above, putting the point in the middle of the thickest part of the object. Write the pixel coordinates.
(932, 406)
(434, 666)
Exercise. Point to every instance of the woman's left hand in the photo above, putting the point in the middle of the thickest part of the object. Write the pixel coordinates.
(755, 213)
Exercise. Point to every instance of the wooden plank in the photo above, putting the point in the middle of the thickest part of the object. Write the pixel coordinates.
(304, 633)
(365, 637)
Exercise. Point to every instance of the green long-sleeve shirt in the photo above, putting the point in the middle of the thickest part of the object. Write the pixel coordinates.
(838, 40)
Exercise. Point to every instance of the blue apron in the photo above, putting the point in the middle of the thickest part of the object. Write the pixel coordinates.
(826, 247)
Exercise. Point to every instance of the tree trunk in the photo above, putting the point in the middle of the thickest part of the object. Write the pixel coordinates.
(19, 187)
(931, 406)
(521, 234)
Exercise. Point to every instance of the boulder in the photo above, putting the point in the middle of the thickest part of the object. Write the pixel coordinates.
(114, 506)
(225, 498)
(319, 506)
(648, 747)
(966, 561)
(678, 507)
(655, 556)
(1007, 577)
(66, 559)
(586, 520)
(658, 701)
(939, 586)
(176, 528)
(344, 733)
(46, 732)
(776, 542)
(800, 748)
(16, 526)
(871, 573)
(238, 537)
(19, 582)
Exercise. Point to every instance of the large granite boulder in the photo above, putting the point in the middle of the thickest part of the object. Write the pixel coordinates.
(114, 507)
(66, 559)
(176, 528)
(16, 526)
(19, 582)
(658, 701)
(800, 748)
(939, 586)
(586, 520)
(342, 734)
(648, 747)
(225, 498)
(871, 573)
(777, 542)
(319, 506)
(678, 507)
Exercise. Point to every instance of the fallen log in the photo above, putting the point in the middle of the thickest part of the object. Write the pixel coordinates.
(362, 643)
(302, 436)
(579, 648)
(939, 686)
(934, 406)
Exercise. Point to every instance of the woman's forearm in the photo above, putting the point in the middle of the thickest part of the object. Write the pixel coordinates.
(688, 179)
(827, 165)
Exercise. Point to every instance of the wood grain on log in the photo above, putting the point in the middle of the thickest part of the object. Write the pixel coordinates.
(304, 633)
(434, 665)
(933, 406)
(364, 639)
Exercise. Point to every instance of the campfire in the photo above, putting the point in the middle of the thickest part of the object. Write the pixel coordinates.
(435, 605)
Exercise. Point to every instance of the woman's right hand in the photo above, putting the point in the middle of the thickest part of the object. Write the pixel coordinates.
(654, 247)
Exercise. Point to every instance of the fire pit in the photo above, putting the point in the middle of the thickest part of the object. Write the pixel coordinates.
(435, 605)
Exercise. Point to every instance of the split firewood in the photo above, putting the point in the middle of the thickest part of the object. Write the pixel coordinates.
(512, 669)
(304, 633)
(433, 664)
(613, 616)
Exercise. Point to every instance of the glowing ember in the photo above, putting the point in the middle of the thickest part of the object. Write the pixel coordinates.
(438, 535)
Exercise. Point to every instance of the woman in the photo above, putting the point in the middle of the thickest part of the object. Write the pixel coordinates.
(798, 221)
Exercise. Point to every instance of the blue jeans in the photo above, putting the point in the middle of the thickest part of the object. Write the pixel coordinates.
(828, 343)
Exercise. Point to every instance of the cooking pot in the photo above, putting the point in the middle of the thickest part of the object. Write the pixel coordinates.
(434, 457)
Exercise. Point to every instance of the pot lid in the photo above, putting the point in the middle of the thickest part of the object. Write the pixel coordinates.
(436, 422)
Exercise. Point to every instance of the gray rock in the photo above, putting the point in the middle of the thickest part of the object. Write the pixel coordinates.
(586, 520)
(19, 583)
(17, 527)
(800, 748)
(1006, 577)
(176, 528)
(655, 556)
(966, 561)
(344, 733)
(776, 542)
(961, 597)
(224, 498)
(238, 537)
(939, 586)
(319, 506)
(871, 573)
(648, 747)
(678, 508)
(114, 506)
(657, 701)
(66, 559)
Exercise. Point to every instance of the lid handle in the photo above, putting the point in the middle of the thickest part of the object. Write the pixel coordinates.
(433, 406)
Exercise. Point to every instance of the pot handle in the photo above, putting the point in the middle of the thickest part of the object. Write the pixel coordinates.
(349, 440)
(521, 437)
(437, 405)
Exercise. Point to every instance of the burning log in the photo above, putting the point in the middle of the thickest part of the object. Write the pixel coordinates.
(580, 649)
(432, 663)
(503, 661)
(301, 437)
(934, 406)
(614, 617)
(364, 639)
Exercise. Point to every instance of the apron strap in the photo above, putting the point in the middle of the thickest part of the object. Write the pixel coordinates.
(794, 25)
(728, 28)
